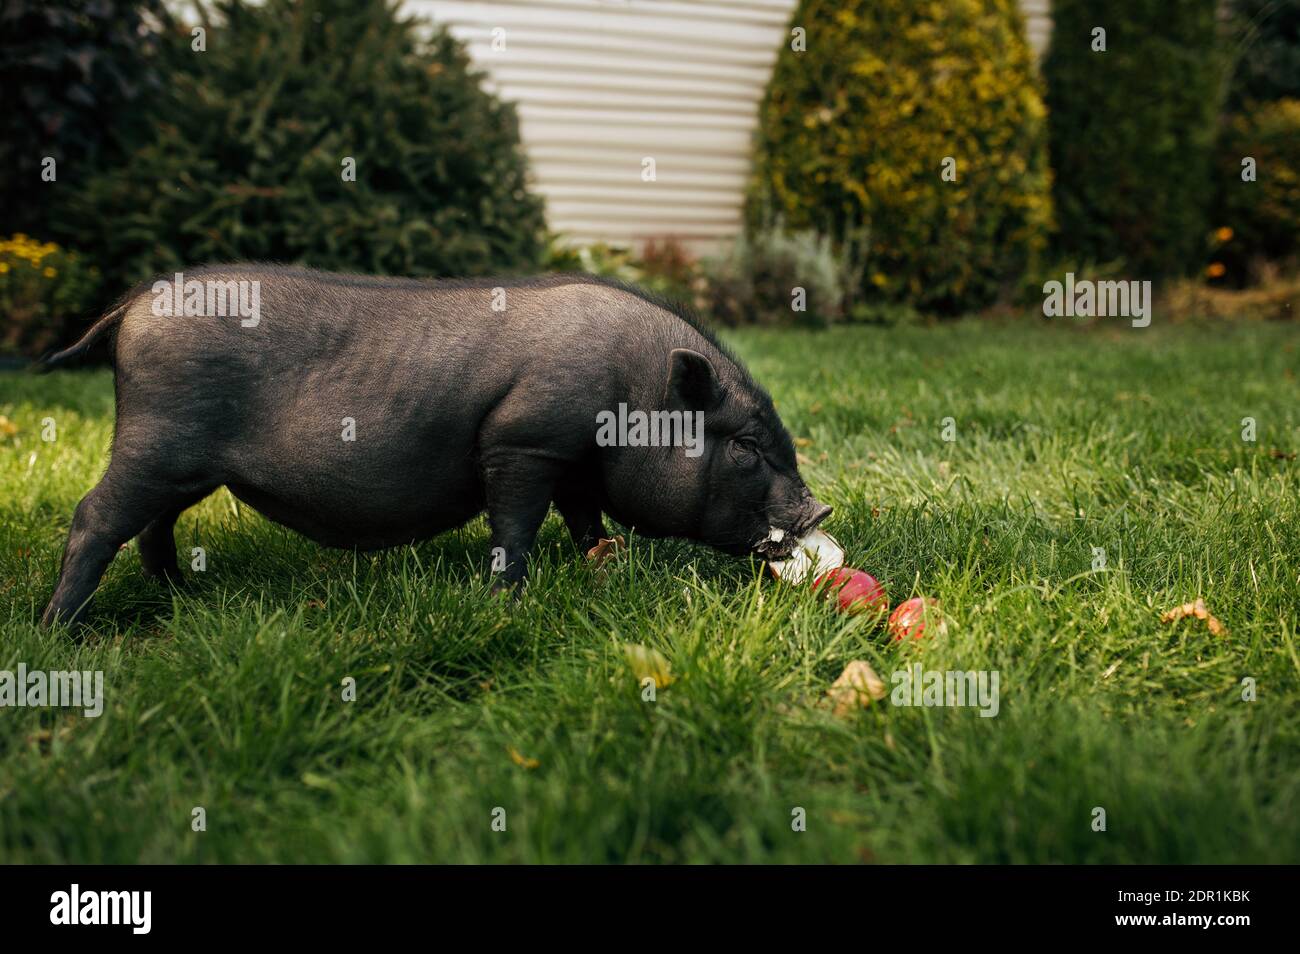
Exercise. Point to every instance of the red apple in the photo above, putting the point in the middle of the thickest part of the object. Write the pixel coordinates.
(914, 617)
(855, 591)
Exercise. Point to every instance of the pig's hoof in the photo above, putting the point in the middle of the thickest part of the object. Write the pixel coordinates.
(167, 575)
(57, 616)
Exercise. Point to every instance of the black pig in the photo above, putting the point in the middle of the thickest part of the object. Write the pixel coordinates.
(458, 396)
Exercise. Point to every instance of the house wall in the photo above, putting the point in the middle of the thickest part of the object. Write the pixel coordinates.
(602, 84)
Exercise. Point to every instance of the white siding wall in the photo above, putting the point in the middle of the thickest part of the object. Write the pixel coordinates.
(1038, 23)
(602, 84)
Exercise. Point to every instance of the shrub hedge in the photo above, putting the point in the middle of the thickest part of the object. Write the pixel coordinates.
(1258, 223)
(246, 154)
(1262, 216)
(1265, 51)
(75, 74)
(1132, 129)
(854, 132)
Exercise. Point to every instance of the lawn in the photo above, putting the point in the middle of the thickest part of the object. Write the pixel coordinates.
(228, 693)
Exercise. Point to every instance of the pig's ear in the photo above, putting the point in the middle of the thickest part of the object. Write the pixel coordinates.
(692, 383)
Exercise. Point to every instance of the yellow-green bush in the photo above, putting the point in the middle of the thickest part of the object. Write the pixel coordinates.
(854, 132)
(44, 293)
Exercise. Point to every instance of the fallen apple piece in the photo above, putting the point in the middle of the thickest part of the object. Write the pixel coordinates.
(606, 550)
(857, 687)
(1198, 611)
(522, 761)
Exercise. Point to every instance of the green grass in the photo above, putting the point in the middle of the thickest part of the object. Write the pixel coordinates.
(227, 694)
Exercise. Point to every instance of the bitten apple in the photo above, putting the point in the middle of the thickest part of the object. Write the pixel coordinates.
(915, 617)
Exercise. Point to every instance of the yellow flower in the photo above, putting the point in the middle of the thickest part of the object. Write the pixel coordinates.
(1224, 234)
(1215, 270)
(4, 267)
(50, 272)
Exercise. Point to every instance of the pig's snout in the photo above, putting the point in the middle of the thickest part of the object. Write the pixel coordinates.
(800, 517)
(782, 537)
(813, 513)
(820, 512)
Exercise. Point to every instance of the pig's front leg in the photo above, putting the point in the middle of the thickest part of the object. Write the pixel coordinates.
(519, 485)
(578, 499)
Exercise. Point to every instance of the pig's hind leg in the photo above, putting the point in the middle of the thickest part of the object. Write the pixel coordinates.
(158, 543)
(128, 499)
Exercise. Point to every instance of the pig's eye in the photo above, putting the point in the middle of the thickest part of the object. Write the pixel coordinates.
(744, 451)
